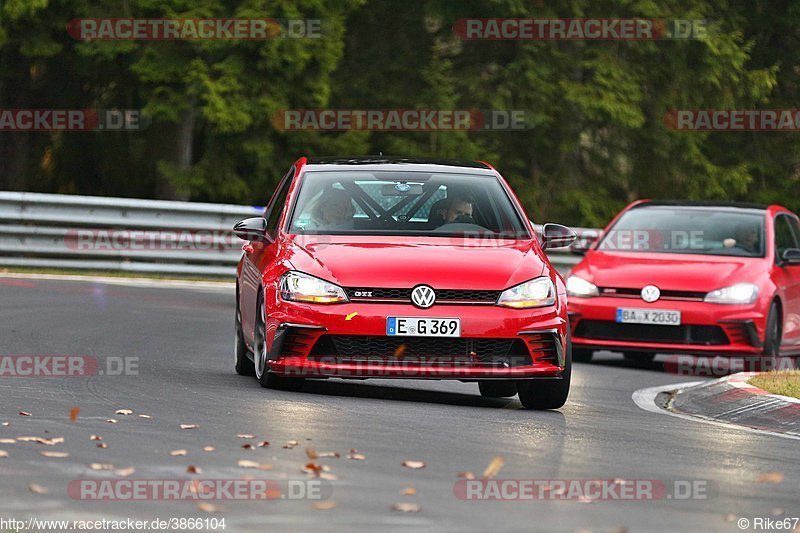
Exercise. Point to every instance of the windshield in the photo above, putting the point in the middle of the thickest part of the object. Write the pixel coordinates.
(404, 203)
(706, 231)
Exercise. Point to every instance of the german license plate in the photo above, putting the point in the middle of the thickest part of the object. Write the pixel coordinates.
(657, 317)
(407, 326)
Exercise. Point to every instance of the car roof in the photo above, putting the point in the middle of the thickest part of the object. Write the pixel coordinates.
(705, 204)
(381, 162)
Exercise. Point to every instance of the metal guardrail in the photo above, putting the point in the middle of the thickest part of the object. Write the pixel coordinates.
(130, 235)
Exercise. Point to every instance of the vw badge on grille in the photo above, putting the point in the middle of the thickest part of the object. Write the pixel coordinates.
(651, 293)
(423, 296)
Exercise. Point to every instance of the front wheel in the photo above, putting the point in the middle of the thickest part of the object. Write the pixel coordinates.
(266, 378)
(547, 393)
(242, 356)
(772, 339)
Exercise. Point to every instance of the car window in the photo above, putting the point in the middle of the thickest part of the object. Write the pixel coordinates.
(687, 230)
(785, 236)
(405, 203)
(279, 200)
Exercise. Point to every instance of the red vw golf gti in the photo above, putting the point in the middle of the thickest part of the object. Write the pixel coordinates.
(402, 268)
(698, 278)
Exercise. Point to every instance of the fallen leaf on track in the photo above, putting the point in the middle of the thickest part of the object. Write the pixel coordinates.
(353, 454)
(313, 468)
(101, 466)
(145, 416)
(409, 491)
(176, 453)
(95, 437)
(191, 469)
(405, 507)
(209, 449)
(770, 477)
(125, 472)
(24, 413)
(73, 414)
(112, 421)
(8, 441)
(263, 443)
(42, 440)
(291, 444)
(189, 426)
(245, 436)
(37, 489)
(6, 424)
(244, 463)
(125, 412)
(102, 445)
(55, 455)
(329, 454)
(466, 475)
(414, 465)
(311, 453)
(247, 446)
(494, 467)
(208, 508)
(3, 453)
(324, 505)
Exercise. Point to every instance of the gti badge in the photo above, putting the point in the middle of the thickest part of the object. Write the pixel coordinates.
(423, 296)
(651, 293)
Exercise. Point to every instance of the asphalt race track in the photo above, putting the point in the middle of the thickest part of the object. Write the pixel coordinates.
(183, 340)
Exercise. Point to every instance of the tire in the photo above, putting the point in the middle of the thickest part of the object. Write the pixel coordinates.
(497, 389)
(266, 378)
(548, 393)
(582, 355)
(639, 357)
(772, 339)
(242, 356)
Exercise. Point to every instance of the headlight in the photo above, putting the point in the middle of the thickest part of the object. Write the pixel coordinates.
(741, 293)
(537, 292)
(579, 287)
(299, 287)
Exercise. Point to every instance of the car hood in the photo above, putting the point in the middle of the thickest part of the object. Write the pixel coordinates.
(356, 261)
(684, 272)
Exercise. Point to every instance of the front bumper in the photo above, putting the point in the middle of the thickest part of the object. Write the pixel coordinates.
(710, 329)
(315, 341)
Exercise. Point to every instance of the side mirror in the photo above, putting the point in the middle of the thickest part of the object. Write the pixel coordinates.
(252, 229)
(791, 256)
(557, 236)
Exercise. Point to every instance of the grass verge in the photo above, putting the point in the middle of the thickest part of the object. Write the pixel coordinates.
(783, 382)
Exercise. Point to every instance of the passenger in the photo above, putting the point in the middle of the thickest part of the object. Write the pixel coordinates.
(334, 210)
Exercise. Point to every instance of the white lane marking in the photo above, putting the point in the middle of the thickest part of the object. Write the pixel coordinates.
(646, 399)
(131, 282)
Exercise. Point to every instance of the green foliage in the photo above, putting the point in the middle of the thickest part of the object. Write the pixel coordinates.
(595, 137)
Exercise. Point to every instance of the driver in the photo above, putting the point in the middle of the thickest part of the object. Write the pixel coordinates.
(747, 238)
(458, 210)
